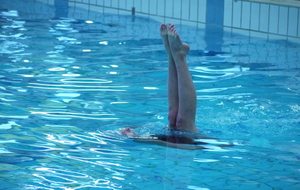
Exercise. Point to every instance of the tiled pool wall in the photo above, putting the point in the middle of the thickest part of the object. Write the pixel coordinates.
(278, 19)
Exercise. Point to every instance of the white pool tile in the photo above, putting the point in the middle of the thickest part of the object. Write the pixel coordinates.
(283, 18)
(292, 21)
(298, 30)
(129, 4)
(145, 6)
(236, 19)
(193, 10)
(264, 18)
(108, 3)
(273, 25)
(93, 2)
(100, 2)
(122, 4)
(161, 8)
(169, 9)
(138, 5)
(245, 15)
(254, 21)
(177, 7)
(185, 10)
(202, 10)
(227, 13)
(114, 4)
(153, 7)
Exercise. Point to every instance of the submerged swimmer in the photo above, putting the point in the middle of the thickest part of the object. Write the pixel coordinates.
(181, 97)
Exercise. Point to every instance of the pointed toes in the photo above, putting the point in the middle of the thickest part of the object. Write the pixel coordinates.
(163, 26)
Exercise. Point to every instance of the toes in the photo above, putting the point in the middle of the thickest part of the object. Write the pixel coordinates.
(163, 26)
(171, 29)
(171, 26)
(174, 32)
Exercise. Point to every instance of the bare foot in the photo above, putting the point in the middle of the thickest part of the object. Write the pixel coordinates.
(178, 48)
(163, 34)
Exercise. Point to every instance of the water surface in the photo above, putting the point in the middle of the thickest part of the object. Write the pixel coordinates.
(67, 84)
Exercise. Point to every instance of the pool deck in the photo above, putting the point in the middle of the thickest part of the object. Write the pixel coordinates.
(291, 3)
(265, 18)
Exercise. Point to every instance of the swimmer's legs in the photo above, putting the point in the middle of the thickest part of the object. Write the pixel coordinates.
(186, 91)
(173, 97)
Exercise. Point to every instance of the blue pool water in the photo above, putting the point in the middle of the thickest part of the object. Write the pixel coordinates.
(68, 84)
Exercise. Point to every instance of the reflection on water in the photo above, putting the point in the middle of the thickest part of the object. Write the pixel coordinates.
(68, 85)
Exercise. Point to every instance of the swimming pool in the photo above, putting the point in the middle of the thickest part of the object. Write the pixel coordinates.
(67, 84)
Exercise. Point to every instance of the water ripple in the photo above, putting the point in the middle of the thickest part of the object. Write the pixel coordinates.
(105, 164)
(11, 47)
(90, 139)
(85, 80)
(51, 86)
(63, 172)
(69, 115)
(65, 92)
(77, 85)
(109, 152)
(51, 178)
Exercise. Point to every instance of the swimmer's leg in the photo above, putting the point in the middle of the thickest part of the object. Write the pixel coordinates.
(186, 91)
(172, 80)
